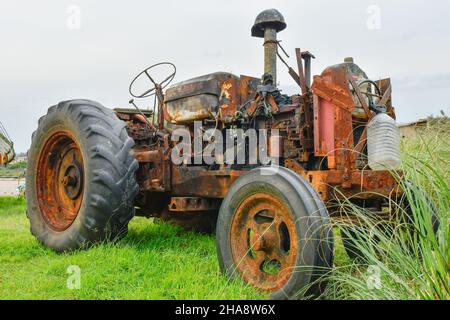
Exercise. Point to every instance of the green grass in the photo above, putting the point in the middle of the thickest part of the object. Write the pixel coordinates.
(155, 261)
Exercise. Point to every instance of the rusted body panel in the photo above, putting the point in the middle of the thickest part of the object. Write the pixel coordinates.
(247, 88)
(324, 129)
(213, 96)
(200, 182)
(202, 98)
(154, 172)
(333, 107)
(355, 184)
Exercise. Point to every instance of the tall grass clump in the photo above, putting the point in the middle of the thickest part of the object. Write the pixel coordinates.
(409, 256)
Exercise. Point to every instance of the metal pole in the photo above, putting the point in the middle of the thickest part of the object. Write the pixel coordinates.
(308, 71)
(270, 53)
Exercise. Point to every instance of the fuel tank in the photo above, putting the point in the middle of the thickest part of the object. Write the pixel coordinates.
(195, 99)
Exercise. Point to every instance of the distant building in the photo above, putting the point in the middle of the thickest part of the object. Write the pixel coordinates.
(22, 157)
(410, 130)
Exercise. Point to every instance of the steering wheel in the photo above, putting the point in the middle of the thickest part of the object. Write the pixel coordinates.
(372, 105)
(161, 85)
(373, 83)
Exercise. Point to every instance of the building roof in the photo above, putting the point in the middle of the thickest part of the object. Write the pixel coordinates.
(415, 123)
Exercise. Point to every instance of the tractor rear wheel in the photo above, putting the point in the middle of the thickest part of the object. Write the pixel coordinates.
(351, 237)
(81, 176)
(273, 232)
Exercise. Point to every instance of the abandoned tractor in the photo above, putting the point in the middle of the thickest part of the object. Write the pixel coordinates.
(6, 147)
(269, 195)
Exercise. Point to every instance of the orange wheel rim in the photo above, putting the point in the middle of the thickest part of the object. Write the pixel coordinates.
(264, 242)
(60, 180)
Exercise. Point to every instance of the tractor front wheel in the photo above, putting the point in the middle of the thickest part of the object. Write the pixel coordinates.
(274, 233)
(81, 176)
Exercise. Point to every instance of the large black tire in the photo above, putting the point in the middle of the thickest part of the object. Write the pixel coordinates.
(313, 232)
(423, 196)
(411, 216)
(325, 257)
(350, 238)
(109, 183)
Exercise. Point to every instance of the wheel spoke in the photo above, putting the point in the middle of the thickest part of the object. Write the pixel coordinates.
(146, 92)
(162, 84)
(276, 254)
(259, 258)
(151, 79)
(169, 78)
(253, 225)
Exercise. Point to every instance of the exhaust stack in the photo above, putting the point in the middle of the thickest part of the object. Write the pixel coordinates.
(267, 24)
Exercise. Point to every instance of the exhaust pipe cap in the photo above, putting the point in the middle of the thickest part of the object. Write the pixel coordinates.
(268, 19)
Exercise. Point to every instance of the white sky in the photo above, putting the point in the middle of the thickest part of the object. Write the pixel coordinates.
(42, 61)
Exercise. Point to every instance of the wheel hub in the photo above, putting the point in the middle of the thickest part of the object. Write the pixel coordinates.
(267, 256)
(59, 180)
(72, 181)
(264, 239)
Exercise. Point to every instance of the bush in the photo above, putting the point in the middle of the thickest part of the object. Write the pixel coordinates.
(17, 165)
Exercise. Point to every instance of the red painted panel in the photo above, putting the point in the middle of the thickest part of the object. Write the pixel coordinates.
(324, 129)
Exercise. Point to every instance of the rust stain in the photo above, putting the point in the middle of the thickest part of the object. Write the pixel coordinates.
(60, 180)
(263, 234)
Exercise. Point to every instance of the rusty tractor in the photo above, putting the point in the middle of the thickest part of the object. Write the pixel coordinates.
(92, 169)
(6, 147)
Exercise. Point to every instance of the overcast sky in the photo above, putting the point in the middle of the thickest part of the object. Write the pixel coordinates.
(45, 58)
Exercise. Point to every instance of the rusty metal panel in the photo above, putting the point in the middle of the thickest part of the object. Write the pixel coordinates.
(354, 184)
(247, 88)
(200, 182)
(154, 170)
(324, 127)
(332, 91)
(207, 84)
(386, 91)
(229, 99)
(365, 184)
(343, 135)
(332, 86)
(384, 84)
(193, 108)
(200, 98)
